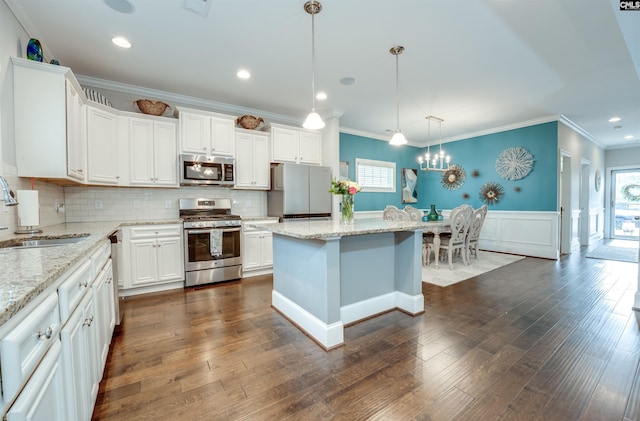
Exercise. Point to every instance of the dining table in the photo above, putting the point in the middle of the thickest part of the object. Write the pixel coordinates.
(436, 228)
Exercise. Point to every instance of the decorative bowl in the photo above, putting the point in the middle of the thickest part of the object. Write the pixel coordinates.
(152, 107)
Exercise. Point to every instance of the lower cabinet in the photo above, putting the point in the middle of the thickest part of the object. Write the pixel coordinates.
(257, 254)
(43, 397)
(154, 256)
(81, 360)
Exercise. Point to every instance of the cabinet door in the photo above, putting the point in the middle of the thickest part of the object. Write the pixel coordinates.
(244, 160)
(310, 148)
(285, 144)
(267, 248)
(261, 175)
(101, 319)
(102, 146)
(143, 262)
(170, 259)
(43, 396)
(195, 133)
(165, 154)
(141, 162)
(76, 140)
(110, 299)
(251, 255)
(76, 368)
(222, 136)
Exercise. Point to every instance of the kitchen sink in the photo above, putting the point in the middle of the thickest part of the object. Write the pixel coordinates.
(37, 242)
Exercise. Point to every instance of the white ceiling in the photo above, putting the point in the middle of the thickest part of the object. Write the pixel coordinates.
(477, 64)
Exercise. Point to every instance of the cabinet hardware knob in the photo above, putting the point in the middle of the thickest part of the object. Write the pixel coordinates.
(48, 332)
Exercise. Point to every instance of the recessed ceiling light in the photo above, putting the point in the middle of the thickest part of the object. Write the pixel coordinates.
(122, 6)
(348, 81)
(321, 96)
(243, 74)
(614, 119)
(121, 42)
(629, 137)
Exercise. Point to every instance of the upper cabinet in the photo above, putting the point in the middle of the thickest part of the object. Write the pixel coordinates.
(102, 146)
(206, 133)
(291, 144)
(48, 118)
(153, 152)
(252, 160)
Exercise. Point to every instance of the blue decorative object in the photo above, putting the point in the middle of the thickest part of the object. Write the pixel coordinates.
(54, 61)
(34, 50)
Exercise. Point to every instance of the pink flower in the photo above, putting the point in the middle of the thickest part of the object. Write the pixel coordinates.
(353, 190)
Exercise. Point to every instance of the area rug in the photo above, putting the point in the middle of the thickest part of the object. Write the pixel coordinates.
(622, 254)
(487, 261)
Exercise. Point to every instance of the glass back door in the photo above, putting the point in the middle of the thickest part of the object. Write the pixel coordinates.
(625, 203)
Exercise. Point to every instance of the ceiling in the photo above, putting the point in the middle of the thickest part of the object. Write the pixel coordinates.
(478, 65)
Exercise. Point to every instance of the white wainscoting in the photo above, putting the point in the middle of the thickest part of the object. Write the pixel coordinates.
(575, 230)
(519, 232)
(533, 234)
(596, 224)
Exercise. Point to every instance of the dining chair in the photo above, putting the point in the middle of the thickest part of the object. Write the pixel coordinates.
(414, 214)
(477, 220)
(392, 213)
(460, 221)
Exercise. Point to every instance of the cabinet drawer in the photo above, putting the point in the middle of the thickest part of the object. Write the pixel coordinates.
(100, 257)
(22, 349)
(153, 231)
(71, 291)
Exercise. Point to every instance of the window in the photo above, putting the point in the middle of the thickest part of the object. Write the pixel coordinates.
(376, 176)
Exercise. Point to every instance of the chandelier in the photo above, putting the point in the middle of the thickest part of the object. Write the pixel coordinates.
(437, 162)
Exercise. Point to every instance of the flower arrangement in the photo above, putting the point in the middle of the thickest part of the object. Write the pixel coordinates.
(347, 189)
(344, 187)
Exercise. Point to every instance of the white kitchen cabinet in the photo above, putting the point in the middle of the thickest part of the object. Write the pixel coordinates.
(252, 160)
(104, 313)
(43, 396)
(153, 153)
(48, 117)
(154, 255)
(205, 133)
(76, 134)
(102, 146)
(290, 144)
(257, 253)
(81, 360)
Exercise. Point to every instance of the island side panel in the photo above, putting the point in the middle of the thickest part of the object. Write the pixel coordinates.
(307, 272)
(367, 275)
(408, 271)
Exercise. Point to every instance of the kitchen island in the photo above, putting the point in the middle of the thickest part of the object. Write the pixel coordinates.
(327, 275)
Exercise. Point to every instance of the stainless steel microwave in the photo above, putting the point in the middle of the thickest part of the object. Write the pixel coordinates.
(202, 170)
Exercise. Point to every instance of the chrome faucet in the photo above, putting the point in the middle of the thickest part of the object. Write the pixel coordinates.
(9, 197)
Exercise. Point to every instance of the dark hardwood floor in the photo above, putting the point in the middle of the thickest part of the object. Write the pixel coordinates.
(535, 340)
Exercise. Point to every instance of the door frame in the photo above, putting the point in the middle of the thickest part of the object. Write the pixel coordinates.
(565, 202)
(609, 230)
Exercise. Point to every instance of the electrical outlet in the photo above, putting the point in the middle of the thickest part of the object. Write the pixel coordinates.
(98, 204)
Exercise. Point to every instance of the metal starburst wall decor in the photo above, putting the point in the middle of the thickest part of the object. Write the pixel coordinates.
(514, 163)
(491, 193)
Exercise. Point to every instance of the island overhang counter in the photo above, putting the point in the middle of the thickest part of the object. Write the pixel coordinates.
(327, 275)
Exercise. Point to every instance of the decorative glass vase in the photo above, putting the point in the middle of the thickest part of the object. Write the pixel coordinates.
(346, 211)
(433, 214)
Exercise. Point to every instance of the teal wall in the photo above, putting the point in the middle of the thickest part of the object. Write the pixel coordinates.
(538, 191)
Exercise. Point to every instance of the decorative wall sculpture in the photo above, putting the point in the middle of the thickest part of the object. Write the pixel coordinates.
(491, 193)
(514, 163)
(453, 177)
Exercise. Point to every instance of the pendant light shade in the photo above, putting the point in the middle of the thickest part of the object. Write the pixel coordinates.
(398, 138)
(313, 121)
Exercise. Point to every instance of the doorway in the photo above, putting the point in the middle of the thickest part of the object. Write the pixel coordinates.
(625, 204)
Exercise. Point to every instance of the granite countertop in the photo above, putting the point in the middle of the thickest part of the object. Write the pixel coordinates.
(26, 272)
(260, 218)
(313, 230)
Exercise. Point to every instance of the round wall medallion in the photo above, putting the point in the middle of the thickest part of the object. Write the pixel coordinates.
(491, 193)
(597, 180)
(514, 163)
(453, 177)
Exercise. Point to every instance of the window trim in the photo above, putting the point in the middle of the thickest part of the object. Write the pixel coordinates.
(377, 163)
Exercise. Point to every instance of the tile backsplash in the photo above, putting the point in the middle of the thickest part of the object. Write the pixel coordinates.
(87, 204)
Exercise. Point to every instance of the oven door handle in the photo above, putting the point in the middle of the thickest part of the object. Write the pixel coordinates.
(207, 231)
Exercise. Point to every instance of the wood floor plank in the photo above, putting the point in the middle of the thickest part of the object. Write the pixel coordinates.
(535, 340)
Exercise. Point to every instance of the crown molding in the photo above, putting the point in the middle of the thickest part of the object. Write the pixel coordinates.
(375, 136)
(186, 100)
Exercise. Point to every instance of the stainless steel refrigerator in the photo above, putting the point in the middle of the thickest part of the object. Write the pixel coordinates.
(299, 192)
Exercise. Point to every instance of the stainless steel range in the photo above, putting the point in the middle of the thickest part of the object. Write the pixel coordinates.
(211, 241)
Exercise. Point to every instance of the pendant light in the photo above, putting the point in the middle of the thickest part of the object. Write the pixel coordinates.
(398, 138)
(313, 121)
